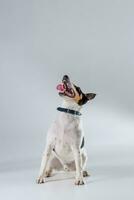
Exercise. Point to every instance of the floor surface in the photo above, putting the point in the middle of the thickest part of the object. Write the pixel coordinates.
(112, 177)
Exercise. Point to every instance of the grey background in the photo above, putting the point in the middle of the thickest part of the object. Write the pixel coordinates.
(92, 41)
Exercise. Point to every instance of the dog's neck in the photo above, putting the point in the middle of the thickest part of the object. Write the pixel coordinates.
(66, 118)
(71, 105)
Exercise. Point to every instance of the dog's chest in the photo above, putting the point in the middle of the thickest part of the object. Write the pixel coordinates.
(64, 139)
(63, 147)
(68, 133)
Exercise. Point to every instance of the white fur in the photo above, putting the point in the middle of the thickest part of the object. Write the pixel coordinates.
(63, 150)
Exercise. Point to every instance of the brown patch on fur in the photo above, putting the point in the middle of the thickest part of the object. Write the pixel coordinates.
(78, 94)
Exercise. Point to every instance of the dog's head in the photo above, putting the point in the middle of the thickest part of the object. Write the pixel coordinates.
(70, 91)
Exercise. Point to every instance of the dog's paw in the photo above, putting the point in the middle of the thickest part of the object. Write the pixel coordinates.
(40, 180)
(48, 173)
(85, 173)
(79, 181)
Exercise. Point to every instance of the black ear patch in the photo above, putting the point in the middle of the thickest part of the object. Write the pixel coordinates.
(86, 98)
(83, 100)
(90, 96)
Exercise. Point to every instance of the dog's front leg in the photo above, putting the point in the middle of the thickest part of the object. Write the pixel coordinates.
(79, 173)
(44, 162)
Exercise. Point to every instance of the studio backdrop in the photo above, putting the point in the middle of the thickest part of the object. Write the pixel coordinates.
(92, 42)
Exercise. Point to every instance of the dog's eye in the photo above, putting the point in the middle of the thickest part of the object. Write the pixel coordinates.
(78, 90)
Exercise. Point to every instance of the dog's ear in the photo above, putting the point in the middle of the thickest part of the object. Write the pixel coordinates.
(90, 96)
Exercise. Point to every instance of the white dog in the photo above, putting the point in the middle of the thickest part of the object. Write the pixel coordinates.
(65, 139)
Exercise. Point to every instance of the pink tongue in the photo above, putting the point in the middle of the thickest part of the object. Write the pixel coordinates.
(60, 87)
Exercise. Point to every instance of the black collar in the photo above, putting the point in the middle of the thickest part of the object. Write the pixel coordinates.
(73, 112)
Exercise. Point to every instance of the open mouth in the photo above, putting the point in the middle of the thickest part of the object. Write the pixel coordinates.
(65, 88)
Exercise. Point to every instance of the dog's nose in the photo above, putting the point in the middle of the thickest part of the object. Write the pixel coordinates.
(65, 77)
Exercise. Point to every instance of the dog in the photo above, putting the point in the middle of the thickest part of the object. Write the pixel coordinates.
(65, 139)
